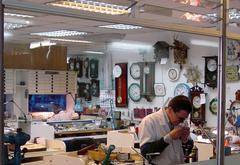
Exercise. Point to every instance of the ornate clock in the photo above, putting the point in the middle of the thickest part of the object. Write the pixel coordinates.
(213, 106)
(86, 67)
(93, 68)
(211, 63)
(198, 111)
(173, 74)
(182, 89)
(134, 92)
(135, 71)
(121, 94)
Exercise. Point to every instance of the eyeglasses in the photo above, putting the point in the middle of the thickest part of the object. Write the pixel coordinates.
(181, 119)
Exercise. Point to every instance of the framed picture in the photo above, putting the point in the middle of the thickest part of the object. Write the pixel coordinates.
(159, 89)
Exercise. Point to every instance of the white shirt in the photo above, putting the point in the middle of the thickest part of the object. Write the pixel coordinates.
(61, 116)
(152, 128)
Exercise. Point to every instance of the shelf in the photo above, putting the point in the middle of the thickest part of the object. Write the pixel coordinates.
(21, 86)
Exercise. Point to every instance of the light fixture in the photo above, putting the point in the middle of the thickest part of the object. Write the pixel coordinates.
(121, 26)
(92, 52)
(41, 43)
(234, 14)
(93, 6)
(60, 33)
(18, 15)
(204, 43)
(69, 40)
(130, 45)
(14, 26)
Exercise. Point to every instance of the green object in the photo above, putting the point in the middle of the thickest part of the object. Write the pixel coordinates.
(107, 160)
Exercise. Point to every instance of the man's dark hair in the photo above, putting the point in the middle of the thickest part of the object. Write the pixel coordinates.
(179, 103)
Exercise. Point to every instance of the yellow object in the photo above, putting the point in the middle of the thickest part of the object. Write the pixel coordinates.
(99, 155)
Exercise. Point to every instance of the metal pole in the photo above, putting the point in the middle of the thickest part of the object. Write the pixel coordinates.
(221, 86)
(1, 83)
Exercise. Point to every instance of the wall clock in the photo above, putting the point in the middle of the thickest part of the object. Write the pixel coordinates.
(182, 89)
(71, 64)
(93, 68)
(233, 49)
(173, 74)
(86, 67)
(211, 63)
(198, 110)
(95, 88)
(78, 67)
(232, 73)
(134, 92)
(159, 89)
(213, 106)
(135, 71)
(121, 91)
(117, 71)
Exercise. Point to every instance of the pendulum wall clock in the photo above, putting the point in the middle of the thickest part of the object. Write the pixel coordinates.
(79, 66)
(198, 108)
(93, 68)
(211, 65)
(121, 94)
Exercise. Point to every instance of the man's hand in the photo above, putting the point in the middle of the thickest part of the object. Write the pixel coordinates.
(177, 133)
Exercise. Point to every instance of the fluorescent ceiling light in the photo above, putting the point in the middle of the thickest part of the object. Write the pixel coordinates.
(14, 26)
(18, 15)
(41, 43)
(69, 40)
(204, 43)
(60, 33)
(131, 46)
(92, 6)
(92, 52)
(121, 27)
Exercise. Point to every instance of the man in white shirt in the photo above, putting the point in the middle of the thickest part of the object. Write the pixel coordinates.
(59, 114)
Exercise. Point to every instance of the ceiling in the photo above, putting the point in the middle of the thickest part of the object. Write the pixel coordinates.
(152, 15)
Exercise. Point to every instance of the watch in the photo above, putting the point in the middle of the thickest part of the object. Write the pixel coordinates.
(159, 89)
(182, 89)
(213, 106)
(134, 92)
(210, 76)
(135, 71)
(173, 74)
(117, 71)
(233, 49)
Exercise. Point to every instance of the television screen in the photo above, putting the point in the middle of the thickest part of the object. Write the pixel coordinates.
(43, 103)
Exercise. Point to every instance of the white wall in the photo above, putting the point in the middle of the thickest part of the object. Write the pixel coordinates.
(195, 57)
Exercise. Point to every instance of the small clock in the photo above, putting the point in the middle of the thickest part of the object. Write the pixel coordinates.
(135, 71)
(117, 71)
(159, 89)
(233, 49)
(213, 106)
(210, 76)
(211, 65)
(173, 74)
(134, 92)
(182, 89)
(196, 102)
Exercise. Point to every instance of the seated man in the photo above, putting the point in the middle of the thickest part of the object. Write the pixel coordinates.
(59, 114)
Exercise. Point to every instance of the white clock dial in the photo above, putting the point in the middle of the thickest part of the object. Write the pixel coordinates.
(135, 71)
(213, 107)
(182, 89)
(135, 92)
(173, 74)
(117, 71)
(196, 102)
(159, 89)
(146, 69)
(212, 65)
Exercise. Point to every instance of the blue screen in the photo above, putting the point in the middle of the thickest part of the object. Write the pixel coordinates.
(43, 103)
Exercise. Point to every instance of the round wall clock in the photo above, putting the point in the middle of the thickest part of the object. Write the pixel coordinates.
(134, 92)
(117, 71)
(182, 89)
(211, 65)
(213, 106)
(173, 74)
(135, 71)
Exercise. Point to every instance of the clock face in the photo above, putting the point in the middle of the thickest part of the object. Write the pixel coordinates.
(146, 69)
(196, 102)
(134, 92)
(159, 89)
(212, 65)
(173, 74)
(213, 107)
(117, 71)
(182, 89)
(135, 71)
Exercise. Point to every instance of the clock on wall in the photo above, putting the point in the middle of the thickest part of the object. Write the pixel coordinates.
(213, 106)
(211, 65)
(233, 49)
(134, 92)
(93, 68)
(173, 74)
(182, 89)
(121, 91)
(159, 89)
(135, 71)
(198, 110)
